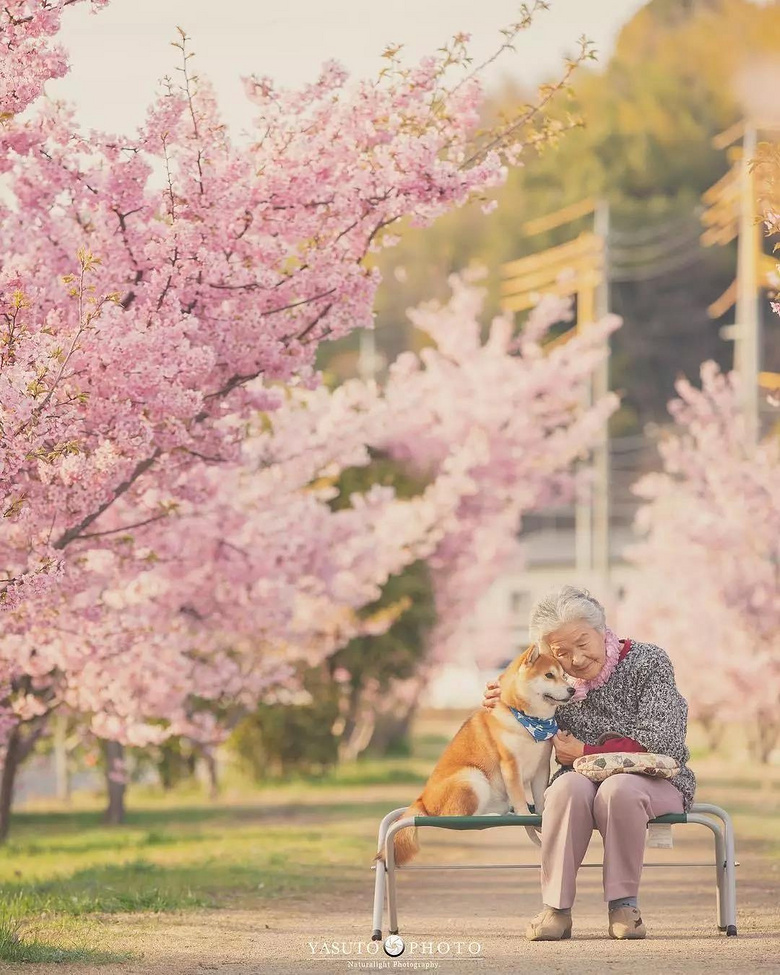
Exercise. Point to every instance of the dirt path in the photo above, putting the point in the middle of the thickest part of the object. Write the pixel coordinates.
(485, 911)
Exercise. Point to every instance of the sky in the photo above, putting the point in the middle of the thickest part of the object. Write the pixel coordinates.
(119, 55)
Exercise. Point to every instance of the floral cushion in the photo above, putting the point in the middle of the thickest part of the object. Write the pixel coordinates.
(600, 766)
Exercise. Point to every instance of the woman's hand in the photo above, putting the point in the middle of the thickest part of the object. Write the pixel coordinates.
(491, 695)
(567, 747)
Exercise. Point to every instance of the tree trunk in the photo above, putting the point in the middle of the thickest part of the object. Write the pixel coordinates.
(767, 736)
(61, 757)
(347, 726)
(18, 748)
(362, 728)
(115, 811)
(394, 721)
(7, 780)
(713, 730)
(391, 729)
(210, 763)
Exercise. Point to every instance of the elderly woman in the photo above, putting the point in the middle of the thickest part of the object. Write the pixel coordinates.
(625, 700)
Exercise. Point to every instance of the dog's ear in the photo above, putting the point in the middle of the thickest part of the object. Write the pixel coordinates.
(532, 653)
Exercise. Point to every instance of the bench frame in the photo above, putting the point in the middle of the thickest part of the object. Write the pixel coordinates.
(717, 820)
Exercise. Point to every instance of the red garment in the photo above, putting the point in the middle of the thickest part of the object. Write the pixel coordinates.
(615, 743)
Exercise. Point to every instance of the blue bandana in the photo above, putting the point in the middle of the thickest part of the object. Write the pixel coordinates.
(540, 729)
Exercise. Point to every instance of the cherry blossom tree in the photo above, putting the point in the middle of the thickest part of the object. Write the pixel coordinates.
(259, 554)
(255, 571)
(230, 263)
(160, 292)
(708, 566)
(38, 418)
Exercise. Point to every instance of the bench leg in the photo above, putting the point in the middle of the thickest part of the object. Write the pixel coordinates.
(392, 907)
(722, 894)
(379, 900)
(731, 879)
(730, 865)
(380, 877)
(729, 870)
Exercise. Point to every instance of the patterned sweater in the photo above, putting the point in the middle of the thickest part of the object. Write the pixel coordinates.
(639, 701)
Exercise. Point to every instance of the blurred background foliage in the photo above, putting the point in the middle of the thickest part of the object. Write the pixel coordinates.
(280, 739)
(675, 79)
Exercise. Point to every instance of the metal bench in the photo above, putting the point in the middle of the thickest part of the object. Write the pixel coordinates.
(702, 813)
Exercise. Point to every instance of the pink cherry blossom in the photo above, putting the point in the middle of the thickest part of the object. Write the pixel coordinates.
(168, 450)
(708, 581)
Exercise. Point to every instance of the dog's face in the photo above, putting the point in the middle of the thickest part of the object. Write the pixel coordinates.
(535, 682)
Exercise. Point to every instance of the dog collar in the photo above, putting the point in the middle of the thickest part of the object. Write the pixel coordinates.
(540, 729)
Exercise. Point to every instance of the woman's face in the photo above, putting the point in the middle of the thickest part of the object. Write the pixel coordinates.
(579, 648)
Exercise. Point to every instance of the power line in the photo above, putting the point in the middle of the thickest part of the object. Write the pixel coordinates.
(645, 273)
(668, 229)
(647, 253)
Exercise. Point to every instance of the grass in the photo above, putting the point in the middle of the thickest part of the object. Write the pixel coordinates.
(67, 868)
(216, 859)
(63, 869)
(19, 946)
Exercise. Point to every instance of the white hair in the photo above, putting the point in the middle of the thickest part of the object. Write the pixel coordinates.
(565, 605)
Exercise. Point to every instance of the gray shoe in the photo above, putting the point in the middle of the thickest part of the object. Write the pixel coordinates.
(549, 925)
(626, 922)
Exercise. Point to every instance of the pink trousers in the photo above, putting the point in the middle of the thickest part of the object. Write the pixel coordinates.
(619, 807)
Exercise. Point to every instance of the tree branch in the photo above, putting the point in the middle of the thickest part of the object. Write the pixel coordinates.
(141, 468)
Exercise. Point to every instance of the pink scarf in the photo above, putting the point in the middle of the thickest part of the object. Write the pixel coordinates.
(612, 648)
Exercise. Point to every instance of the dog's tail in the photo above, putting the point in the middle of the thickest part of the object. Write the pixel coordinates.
(405, 843)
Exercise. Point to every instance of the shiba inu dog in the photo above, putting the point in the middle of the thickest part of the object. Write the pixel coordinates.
(498, 758)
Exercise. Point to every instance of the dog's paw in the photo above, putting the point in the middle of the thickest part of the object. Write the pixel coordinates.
(524, 812)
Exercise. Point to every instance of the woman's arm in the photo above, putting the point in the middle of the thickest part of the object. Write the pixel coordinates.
(662, 714)
(568, 748)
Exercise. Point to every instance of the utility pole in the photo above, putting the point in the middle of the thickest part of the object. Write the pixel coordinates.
(747, 334)
(732, 205)
(601, 461)
(591, 510)
(584, 257)
(583, 504)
